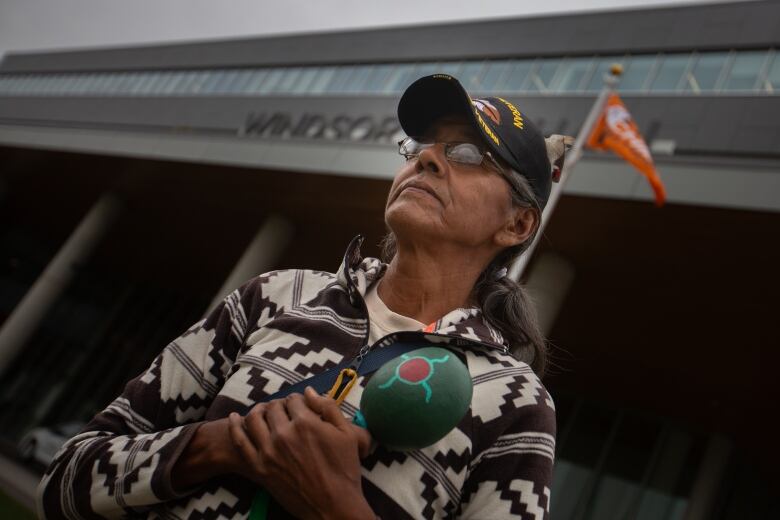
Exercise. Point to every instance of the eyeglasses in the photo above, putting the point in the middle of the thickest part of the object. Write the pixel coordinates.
(464, 153)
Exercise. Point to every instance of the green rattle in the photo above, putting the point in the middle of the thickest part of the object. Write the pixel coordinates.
(416, 399)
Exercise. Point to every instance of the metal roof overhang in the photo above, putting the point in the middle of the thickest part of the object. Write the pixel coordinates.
(724, 183)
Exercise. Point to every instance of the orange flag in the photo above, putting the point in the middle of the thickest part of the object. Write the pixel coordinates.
(617, 131)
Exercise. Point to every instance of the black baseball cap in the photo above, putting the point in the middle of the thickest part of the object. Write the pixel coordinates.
(507, 131)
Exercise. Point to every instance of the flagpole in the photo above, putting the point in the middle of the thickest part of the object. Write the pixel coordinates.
(572, 156)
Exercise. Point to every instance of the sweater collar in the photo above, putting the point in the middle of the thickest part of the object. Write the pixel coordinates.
(356, 274)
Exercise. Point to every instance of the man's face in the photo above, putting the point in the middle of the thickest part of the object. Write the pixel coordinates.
(435, 199)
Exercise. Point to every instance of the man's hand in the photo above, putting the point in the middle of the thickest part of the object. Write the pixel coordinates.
(304, 452)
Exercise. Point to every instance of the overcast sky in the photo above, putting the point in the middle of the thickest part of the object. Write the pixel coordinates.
(62, 24)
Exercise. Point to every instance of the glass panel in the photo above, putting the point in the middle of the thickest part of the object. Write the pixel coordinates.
(81, 84)
(745, 70)
(320, 83)
(143, 84)
(426, 69)
(211, 83)
(452, 68)
(772, 80)
(256, 79)
(493, 75)
(184, 87)
(402, 77)
(519, 76)
(199, 82)
(288, 80)
(56, 84)
(379, 78)
(304, 80)
(670, 73)
(242, 79)
(271, 80)
(225, 84)
(542, 75)
(596, 81)
(135, 83)
(471, 76)
(573, 74)
(358, 79)
(635, 72)
(703, 76)
(341, 79)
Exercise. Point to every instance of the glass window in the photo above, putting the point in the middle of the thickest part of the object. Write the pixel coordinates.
(166, 84)
(402, 77)
(199, 81)
(239, 85)
(518, 78)
(636, 70)
(426, 69)
(136, 79)
(379, 77)
(55, 84)
(79, 84)
(211, 82)
(358, 79)
(321, 81)
(341, 79)
(112, 80)
(287, 80)
(452, 68)
(100, 86)
(304, 80)
(671, 72)
(183, 85)
(772, 80)
(255, 79)
(120, 85)
(704, 74)
(745, 70)
(542, 75)
(225, 83)
(596, 82)
(493, 75)
(471, 76)
(33, 84)
(573, 74)
(152, 86)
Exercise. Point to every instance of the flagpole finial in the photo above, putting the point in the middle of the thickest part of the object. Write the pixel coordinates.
(616, 69)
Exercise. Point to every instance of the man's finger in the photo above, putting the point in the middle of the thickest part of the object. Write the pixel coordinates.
(325, 407)
(297, 407)
(240, 438)
(276, 415)
(257, 428)
(364, 440)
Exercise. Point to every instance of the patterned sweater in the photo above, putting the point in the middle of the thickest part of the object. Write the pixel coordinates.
(278, 329)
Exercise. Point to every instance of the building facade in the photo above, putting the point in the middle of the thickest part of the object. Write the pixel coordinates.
(139, 184)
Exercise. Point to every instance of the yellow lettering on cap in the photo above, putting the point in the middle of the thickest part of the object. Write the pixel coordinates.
(487, 129)
(517, 117)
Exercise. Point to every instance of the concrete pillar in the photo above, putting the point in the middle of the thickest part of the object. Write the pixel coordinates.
(260, 256)
(548, 283)
(27, 315)
(702, 502)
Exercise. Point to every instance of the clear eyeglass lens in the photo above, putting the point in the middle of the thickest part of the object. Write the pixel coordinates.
(465, 153)
(410, 148)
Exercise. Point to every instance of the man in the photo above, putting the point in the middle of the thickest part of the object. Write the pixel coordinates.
(187, 440)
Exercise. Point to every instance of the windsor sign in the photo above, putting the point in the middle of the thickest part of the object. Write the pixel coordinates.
(316, 126)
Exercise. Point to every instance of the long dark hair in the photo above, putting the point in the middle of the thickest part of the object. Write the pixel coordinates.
(504, 303)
